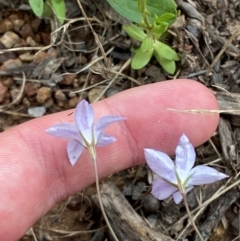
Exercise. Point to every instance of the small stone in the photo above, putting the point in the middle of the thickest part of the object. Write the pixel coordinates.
(43, 94)
(26, 101)
(30, 89)
(26, 31)
(68, 79)
(37, 111)
(17, 25)
(46, 38)
(150, 203)
(71, 94)
(59, 95)
(94, 79)
(94, 93)
(73, 102)
(9, 39)
(35, 23)
(11, 64)
(40, 57)
(5, 26)
(30, 41)
(61, 103)
(3, 92)
(8, 82)
(26, 57)
(7, 55)
(49, 103)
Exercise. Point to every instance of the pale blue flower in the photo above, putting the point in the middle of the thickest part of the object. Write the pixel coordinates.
(172, 177)
(84, 133)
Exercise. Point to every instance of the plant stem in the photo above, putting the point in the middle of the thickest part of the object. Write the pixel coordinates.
(144, 15)
(100, 200)
(190, 216)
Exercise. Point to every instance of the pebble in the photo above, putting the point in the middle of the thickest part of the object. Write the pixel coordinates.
(35, 24)
(11, 64)
(43, 94)
(150, 203)
(68, 79)
(30, 89)
(17, 25)
(26, 31)
(40, 57)
(59, 95)
(73, 102)
(8, 82)
(94, 93)
(31, 42)
(26, 57)
(9, 39)
(3, 92)
(7, 55)
(5, 26)
(37, 111)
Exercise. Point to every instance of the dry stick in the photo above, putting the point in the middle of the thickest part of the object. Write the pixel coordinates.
(234, 35)
(92, 151)
(94, 33)
(113, 80)
(190, 216)
(215, 196)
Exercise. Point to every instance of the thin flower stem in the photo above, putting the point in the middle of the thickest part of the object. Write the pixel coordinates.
(190, 216)
(100, 201)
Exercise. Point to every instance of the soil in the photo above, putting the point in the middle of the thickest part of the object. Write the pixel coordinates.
(44, 71)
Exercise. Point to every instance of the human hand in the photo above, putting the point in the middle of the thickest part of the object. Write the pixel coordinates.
(34, 169)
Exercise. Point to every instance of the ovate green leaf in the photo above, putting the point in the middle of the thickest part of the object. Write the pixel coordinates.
(168, 65)
(59, 9)
(147, 44)
(141, 58)
(135, 32)
(37, 7)
(165, 51)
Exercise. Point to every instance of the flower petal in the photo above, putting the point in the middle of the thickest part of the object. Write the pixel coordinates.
(161, 189)
(161, 164)
(105, 140)
(84, 117)
(102, 123)
(177, 196)
(204, 175)
(185, 157)
(74, 150)
(64, 130)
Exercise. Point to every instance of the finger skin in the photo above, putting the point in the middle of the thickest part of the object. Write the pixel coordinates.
(34, 169)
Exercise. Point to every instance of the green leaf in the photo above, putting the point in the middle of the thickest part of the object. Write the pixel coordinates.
(59, 9)
(164, 18)
(37, 7)
(141, 58)
(147, 44)
(129, 9)
(168, 65)
(165, 51)
(135, 32)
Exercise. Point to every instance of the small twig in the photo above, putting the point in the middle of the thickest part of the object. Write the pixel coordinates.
(92, 152)
(94, 33)
(114, 79)
(234, 35)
